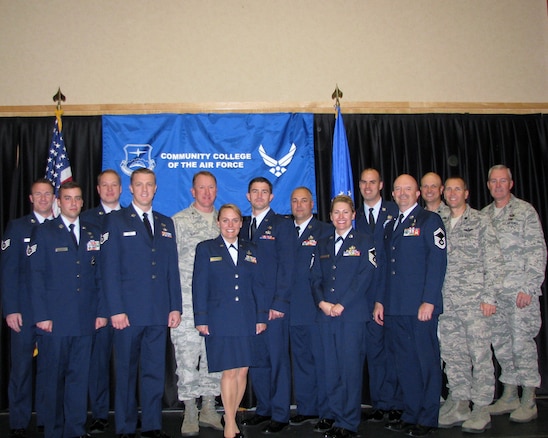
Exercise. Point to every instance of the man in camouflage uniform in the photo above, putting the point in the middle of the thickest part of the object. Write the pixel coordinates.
(431, 191)
(192, 226)
(517, 320)
(469, 297)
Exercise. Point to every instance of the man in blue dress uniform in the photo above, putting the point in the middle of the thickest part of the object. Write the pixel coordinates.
(304, 333)
(371, 218)
(17, 307)
(68, 307)
(141, 282)
(416, 257)
(274, 236)
(109, 187)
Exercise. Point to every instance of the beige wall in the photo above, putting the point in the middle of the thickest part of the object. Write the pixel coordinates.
(195, 51)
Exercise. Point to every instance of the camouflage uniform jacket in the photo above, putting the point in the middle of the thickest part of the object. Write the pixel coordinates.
(474, 261)
(521, 239)
(191, 228)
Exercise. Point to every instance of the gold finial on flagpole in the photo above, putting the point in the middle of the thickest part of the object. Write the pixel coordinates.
(59, 97)
(337, 94)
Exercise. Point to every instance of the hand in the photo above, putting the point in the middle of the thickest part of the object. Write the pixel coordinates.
(523, 300)
(100, 322)
(203, 329)
(120, 321)
(260, 327)
(47, 326)
(425, 312)
(274, 314)
(326, 307)
(378, 313)
(337, 310)
(174, 319)
(488, 309)
(15, 321)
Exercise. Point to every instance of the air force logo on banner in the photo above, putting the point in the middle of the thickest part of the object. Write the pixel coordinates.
(137, 156)
(278, 167)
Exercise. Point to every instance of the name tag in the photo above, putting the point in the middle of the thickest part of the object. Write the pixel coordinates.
(215, 259)
(26, 239)
(130, 233)
(62, 249)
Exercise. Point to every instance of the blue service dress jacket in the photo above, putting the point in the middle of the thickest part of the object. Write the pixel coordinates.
(275, 238)
(416, 261)
(65, 279)
(226, 297)
(15, 267)
(137, 269)
(345, 278)
(303, 310)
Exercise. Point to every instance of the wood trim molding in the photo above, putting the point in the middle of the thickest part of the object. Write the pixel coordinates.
(274, 107)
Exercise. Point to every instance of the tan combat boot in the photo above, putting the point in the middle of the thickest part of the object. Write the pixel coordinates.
(208, 415)
(509, 401)
(190, 422)
(527, 410)
(479, 421)
(456, 415)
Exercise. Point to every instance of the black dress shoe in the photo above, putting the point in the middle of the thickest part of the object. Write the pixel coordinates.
(255, 420)
(155, 434)
(394, 415)
(323, 425)
(274, 427)
(339, 432)
(399, 426)
(98, 425)
(374, 416)
(297, 420)
(18, 433)
(125, 435)
(420, 430)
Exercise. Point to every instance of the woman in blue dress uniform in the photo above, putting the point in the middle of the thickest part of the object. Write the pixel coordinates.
(228, 309)
(343, 275)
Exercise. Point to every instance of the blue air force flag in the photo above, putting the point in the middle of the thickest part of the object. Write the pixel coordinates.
(342, 182)
(233, 147)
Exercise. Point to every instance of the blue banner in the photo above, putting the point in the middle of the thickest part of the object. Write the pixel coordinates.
(234, 147)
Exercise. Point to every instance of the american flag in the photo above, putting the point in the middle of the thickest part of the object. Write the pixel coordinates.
(58, 168)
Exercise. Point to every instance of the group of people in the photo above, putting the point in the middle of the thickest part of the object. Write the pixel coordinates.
(299, 304)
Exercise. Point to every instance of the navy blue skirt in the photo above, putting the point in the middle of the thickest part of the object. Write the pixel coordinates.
(228, 352)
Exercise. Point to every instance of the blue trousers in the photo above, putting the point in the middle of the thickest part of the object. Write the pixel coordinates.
(141, 347)
(344, 346)
(64, 364)
(308, 370)
(271, 371)
(413, 348)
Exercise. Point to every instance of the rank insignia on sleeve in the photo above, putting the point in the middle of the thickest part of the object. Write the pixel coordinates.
(104, 237)
(372, 257)
(439, 238)
(31, 249)
(6, 244)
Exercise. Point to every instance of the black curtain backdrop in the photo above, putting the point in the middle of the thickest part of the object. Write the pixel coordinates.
(449, 144)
